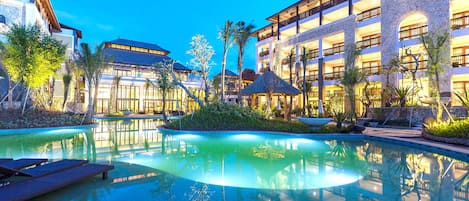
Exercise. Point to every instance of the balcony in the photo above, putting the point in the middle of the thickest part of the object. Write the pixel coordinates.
(264, 69)
(368, 14)
(312, 78)
(334, 75)
(372, 70)
(411, 65)
(334, 50)
(370, 42)
(264, 53)
(460, 22)
(308, 13)
(411, 33)
(286, 61)
(312, 54)
(332, 3)
(460, 61)
(265, 36)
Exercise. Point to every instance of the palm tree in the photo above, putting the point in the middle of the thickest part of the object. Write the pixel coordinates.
(148, 84)
(164, 83)
(352, 75)
(226, 35)
(243, 32)
(114, 92)
(67, 79)
(92, 64)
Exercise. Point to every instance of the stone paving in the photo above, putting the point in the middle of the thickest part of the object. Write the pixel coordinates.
(412, 135)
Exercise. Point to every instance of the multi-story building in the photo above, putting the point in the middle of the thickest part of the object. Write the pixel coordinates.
(232, 83)
(382, 29)
(132, 63)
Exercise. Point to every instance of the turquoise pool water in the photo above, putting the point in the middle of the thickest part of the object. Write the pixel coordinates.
(163, 165)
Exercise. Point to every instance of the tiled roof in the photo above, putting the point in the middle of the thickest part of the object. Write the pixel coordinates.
(138, 58)
(228, 73)
(133, 43)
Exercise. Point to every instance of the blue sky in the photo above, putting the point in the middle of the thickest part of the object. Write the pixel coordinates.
(170, 23)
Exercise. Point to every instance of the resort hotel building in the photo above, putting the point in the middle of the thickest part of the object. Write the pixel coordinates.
(381, 29)
(130, 83)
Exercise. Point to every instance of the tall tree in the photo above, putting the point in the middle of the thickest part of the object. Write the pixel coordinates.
(226, 35)
(435, 43)
(67, 80)
(92, 65)
(352, 75)
(243, 32)
(30, 57)
(164, 83)
(202, 53)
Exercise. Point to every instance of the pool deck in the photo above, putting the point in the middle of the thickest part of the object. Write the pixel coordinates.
(413, 136)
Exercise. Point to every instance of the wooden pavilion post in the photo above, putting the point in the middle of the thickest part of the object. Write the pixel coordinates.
(285, 108)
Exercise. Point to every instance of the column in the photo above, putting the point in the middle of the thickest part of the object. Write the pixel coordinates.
(141, 99)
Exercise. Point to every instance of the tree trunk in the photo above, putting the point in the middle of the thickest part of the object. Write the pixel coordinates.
(240, 76)
(90, 112)
(207, 91)
(25, 101)
(165, 118)
(189, 93)
(95, 97)
(223, 67)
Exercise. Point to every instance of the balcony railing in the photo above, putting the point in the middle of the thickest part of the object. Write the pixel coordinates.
(371, 42)
(265, 69)
(411, 65)
(265, 36)
(334, 50)
(310, 12)
(460, 60)
(332, 3)
(460, 22)
(372, 70)
(311, 54)
(264, 53)
(368, 14)
(312, 78)
(413, 32)
(333, 75)
(286, 61)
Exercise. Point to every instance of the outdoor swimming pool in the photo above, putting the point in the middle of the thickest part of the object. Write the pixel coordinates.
(154, 165)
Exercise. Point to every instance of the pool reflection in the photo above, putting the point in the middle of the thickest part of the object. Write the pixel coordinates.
(267, 167)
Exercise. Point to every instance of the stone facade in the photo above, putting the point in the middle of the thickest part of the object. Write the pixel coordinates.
(418, 114)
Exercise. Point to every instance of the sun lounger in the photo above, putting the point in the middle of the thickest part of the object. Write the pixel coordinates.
(31, 188)
(4, 160)
(22, 163)
(53, 167)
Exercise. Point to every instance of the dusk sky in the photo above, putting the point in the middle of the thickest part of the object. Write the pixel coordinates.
(170, 24)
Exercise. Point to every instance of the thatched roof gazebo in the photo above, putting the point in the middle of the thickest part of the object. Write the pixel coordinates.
(271, 85)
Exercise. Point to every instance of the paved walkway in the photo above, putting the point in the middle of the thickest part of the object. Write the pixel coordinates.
(414, 136)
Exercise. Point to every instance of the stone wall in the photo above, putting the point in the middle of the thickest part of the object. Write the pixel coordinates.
(418, 114)
(393, 12)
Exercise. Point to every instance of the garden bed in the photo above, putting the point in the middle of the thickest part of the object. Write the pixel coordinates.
(221, 117)
(458, 141)
(12, 119)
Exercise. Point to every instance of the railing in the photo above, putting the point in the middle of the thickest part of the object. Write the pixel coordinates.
(312, 78)
(372, 70)
(333, 75)
(460, 22)
(460, 60)
(263, 37)
(371, 42)
(286, 61)
(332, 3)
(334, 50)
(264, 53)
(411, 65)
(311, 54)
(310, 12)
(369, 14)
(413, 32)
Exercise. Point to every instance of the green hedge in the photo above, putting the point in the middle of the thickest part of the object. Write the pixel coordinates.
(457, 129)
(37, 119)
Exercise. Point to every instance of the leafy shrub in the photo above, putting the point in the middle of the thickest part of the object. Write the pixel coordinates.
(115, 114)
(37, 119)
(457, 129)
(331, 128)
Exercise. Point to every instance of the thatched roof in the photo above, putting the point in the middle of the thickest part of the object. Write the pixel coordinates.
(270, 82)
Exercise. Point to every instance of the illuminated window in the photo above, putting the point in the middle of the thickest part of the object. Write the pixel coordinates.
(123, 47)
